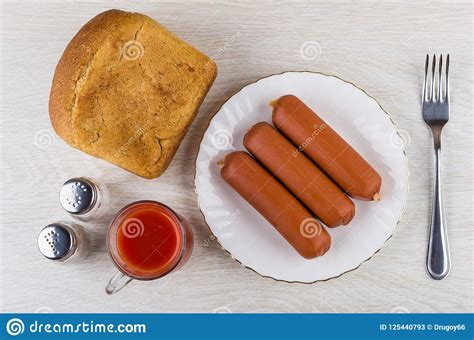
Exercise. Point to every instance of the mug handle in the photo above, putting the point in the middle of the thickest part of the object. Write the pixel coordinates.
(117, 282)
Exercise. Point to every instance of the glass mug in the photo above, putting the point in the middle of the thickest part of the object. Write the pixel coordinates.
(147, 240)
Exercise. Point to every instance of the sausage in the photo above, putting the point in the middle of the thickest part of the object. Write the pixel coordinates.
(301, 176)
(280, 208)
(326, 148)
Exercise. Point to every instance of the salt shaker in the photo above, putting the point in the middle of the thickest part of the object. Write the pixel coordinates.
(84, 198)
(63, 242)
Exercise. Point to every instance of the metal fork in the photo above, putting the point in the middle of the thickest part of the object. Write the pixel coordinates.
(435, 106)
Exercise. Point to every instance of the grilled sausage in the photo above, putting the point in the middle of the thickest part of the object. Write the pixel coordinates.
(301, 176)
(326, 148)
(270, 198)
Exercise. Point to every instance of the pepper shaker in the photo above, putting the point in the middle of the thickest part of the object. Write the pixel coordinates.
(84, 198)
(63, 242)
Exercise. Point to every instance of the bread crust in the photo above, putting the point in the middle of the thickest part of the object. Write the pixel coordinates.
(126, 90)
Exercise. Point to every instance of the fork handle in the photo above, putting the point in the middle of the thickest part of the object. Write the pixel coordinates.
(438, 260)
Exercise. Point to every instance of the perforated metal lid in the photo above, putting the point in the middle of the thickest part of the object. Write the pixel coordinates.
(56, 241)
(78, 196)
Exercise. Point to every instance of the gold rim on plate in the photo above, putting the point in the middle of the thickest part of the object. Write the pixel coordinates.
(404, 198)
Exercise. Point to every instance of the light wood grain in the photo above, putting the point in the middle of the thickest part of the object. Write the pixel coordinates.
(378, 46)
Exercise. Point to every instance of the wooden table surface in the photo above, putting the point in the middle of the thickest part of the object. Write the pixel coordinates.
(377, 45)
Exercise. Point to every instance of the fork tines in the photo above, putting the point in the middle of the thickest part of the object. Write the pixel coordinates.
(436, 87)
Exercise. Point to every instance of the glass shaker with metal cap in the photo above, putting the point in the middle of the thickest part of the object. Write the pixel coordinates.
(84, 198)
(63, 242)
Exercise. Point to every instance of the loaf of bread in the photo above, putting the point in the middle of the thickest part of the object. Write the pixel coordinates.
(126, 90)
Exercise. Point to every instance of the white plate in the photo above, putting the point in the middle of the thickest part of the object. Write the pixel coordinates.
(245, 234)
